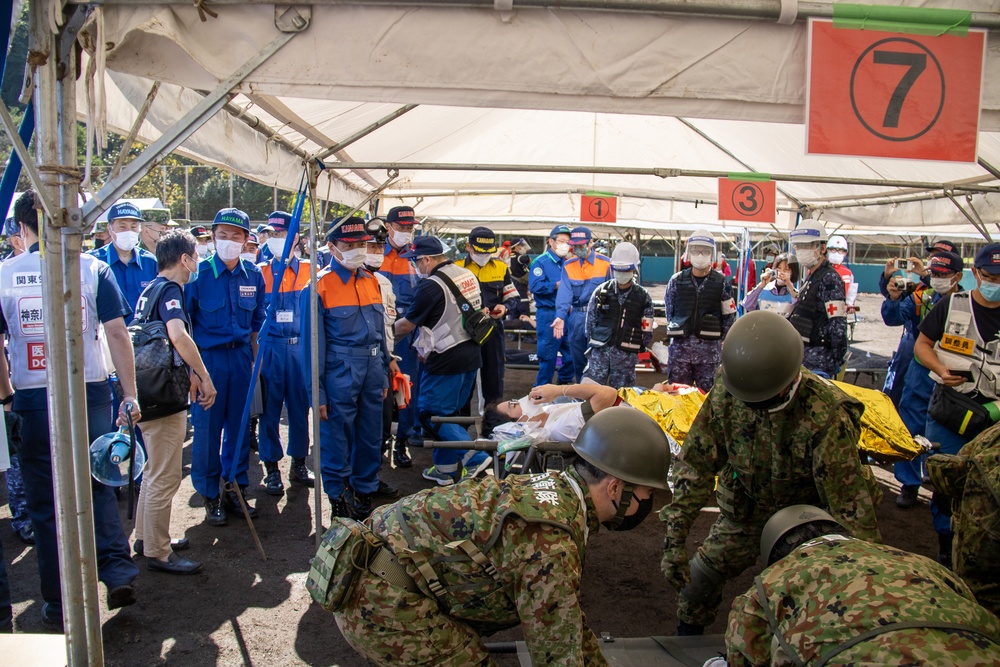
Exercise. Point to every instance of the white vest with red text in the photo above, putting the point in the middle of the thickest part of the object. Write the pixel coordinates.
(449, 332)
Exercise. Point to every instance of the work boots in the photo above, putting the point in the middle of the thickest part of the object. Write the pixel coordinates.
(359, 504)
(231, 503)
(272, 479)
(213, 511)
(300, 474)
(399, 453)
(338, 506)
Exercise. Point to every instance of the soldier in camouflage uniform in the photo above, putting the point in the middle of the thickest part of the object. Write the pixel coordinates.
(487, 555)
(850, 602)
(971, 481)
(775, 434)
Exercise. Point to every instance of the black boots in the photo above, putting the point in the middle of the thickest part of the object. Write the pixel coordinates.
(272, 479)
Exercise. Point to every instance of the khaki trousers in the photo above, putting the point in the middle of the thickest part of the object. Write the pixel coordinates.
(160, 481)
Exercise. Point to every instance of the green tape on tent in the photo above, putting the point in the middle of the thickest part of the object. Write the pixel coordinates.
(748, 176)
(910, 20)
(594, 193)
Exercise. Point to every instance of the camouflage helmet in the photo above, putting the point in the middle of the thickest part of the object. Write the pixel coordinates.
(761, 356)
(786, 520)
(627, 444)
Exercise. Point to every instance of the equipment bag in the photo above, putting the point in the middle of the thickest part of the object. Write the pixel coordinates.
(958, 412)
(346, 550)
(163, 381)
(476, 323)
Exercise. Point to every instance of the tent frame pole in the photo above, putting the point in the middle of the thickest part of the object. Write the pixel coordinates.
(364, 132)
(130, 139)
(313, 170)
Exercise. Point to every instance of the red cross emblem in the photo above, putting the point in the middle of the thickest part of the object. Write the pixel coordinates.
(831, 309)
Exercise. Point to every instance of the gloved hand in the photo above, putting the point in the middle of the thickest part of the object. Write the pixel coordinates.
(674, 565)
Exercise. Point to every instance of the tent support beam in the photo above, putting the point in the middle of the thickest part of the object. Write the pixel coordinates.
(975, 222)
(48, 207)
(662, 172)
(176, 135)
(364, 132)
(130, 139)
(990, 168)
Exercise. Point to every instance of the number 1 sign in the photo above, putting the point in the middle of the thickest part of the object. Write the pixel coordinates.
(886, 94)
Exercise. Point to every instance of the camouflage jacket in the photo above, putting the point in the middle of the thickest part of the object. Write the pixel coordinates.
(532, 529)
(971, 480)
(833, 589)
(806, 452)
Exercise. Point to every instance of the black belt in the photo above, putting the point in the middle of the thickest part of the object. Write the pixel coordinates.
(232, 345)
(281, 339)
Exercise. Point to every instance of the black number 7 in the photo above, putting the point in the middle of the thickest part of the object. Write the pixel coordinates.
(917, 63)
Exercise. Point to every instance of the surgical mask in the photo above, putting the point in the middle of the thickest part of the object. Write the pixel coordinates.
(700, 261)
(249, 256)
(836, 257)
(808, 257)
(202, 250)
(126, 241)
(990, 291)
(623, 277)
(769, 259)
(942, 284)
(193, 276)
(528, 409)
(480, 258)
(561, 249)
(373, 260)
(581, 251)
(228, 250)
(276, 246)
(352, 259)
(630, 522)
(400, 239)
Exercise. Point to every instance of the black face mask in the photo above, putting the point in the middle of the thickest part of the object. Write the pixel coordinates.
(630, 522)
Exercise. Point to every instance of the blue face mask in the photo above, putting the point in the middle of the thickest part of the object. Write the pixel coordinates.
(990, 291)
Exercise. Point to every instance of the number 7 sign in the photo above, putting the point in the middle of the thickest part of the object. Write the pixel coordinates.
(886, 94)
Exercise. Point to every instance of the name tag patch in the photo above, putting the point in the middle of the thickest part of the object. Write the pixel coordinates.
(284, 316)
(36, 356)
(957, 344)
(248, 290)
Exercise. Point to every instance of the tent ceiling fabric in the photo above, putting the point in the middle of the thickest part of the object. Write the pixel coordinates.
(551, 87)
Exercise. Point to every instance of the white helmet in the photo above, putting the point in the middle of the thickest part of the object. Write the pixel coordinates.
(625, 257)
(702, 237)
(810, 231)
(837, 243)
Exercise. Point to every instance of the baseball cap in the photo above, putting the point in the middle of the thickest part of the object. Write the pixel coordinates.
(560, 229)
(234, 217)
(579, 236)
(988, 259)
(945, 262)
(401, 215)
(124, 209)
(199, 232)
(253, 239)
(279, 221)
(423, 246)
(482, 239)
(352, 230)
(942, 245)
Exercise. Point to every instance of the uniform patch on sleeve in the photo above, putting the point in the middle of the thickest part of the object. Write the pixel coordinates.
(835, 309)
(173, 304)
(729, 306)
(537, 271)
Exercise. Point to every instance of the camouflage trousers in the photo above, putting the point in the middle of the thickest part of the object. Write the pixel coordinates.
(729, 549)
(390, 626)
(694, 361)
(15, 495)
(611, 367)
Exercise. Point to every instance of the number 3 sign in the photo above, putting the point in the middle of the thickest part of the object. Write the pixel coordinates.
(886, 94)
(746, 200)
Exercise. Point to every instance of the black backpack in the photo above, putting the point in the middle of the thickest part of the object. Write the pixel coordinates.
(162, 379)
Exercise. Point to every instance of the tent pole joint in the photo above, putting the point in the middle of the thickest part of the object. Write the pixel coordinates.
(292, 19)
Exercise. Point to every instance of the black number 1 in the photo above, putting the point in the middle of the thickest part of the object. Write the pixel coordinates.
(598, 204)
(917, 63)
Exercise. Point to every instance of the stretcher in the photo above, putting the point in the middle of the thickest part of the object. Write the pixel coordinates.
(639, 651)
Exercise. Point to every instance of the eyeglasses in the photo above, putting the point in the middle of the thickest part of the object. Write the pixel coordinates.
(513, 403)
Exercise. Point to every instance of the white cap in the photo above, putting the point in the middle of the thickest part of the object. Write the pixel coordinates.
(625, 257)
(702, 237)
(837, 243)
(809, 231)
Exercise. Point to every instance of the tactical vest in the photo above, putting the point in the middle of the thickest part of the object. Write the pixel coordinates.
(618, 325)
(21, 299)
(697, 311)
(809, 312)
(962, 348)
(449, 332)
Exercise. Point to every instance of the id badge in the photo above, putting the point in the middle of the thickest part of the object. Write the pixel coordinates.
(958, 344)
(284, 316)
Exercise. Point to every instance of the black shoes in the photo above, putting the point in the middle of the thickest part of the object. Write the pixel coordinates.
(300, 474)
(213, 511)
(400, 454)
(907, 497)
(386, 490)
(359, 504)
(338, 506)
(174, 564)
(175, 545)
(26, 534)
(52, 617)
(121, 596)
(231, 503)
(272, 480)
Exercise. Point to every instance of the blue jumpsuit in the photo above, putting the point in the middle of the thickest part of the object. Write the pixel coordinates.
(132, 277)
(353, 363)
(226, 310)
(404, 279)
(577, 283)
(543, 279)
(281, 366)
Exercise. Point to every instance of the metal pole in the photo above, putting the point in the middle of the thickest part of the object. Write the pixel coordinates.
(313, 170)
(274, 198)
(187, 201)
(230, 189)
(56, 149)
(164, 199)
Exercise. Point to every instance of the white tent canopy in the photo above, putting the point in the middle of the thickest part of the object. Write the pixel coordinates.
(546, 88)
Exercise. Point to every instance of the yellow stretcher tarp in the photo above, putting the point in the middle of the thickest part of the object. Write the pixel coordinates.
(673, 412)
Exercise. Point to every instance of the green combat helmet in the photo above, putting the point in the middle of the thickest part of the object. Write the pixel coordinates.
(627, 444)
(761, 356)
(781, 528)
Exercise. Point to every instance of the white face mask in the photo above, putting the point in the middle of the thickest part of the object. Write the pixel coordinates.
(211, 246)
(276, 246)
(836, 256)
(623, 277)
(126, 241)
(942, 284)
(769, 259)
(528, 409)
(373, 260)
(249, 256)
(561, 249)
(481, 258)
(352, 259)
(808, 257)
(400, 239)
(202, 250)
(228, 250)
(700, 262)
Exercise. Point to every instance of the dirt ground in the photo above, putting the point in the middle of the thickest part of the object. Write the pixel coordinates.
(243, 611)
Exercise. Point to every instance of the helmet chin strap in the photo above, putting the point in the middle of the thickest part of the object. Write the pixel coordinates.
(623, 505)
